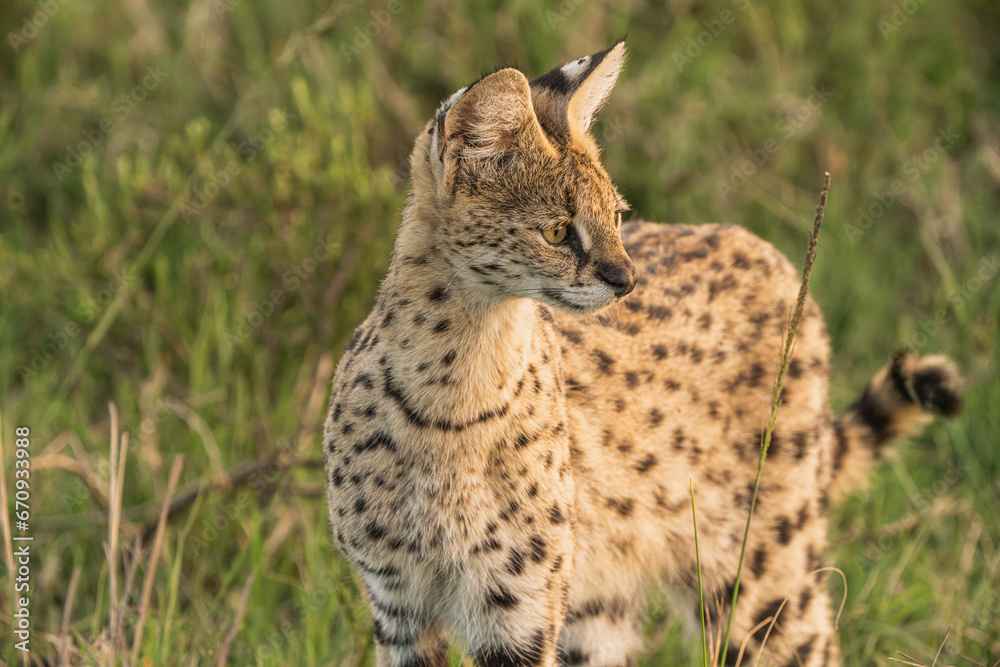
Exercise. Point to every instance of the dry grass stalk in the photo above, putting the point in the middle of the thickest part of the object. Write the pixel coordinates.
(116, 470)
(4, 519)
(241, 611)
(147, 584)
(67, 612)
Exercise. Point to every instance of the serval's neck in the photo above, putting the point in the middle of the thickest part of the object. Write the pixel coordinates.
(455, 356)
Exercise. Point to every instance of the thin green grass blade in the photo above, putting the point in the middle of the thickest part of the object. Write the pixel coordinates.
(779, 383)
(701, 590)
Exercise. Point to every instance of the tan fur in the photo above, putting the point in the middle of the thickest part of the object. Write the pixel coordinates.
(510, 438)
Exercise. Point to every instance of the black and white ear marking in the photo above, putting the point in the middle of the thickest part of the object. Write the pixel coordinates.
(583, 85)
(437, 129)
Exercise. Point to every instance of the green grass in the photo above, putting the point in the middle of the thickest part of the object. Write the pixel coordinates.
(197, 203)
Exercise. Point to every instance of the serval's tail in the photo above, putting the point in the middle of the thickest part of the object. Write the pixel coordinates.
(899, 401)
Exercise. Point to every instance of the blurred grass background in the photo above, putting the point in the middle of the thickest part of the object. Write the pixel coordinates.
(197, 201)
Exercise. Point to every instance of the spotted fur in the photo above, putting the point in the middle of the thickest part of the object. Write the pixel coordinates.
(508, 458)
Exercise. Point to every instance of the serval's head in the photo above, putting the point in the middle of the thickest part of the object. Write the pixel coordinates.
(512, 183)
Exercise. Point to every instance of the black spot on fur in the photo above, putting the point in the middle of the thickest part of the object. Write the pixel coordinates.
(442, 326)
(364, 380)
(515, 564)
(537, 545)
(769, 609)
(813, 560)
(804, 599)
(679, 438)
(355, 337)
(490, 545)
(804, 650)
(659, 352)
(758, 562)
(449, 358)
(437, 294)
(755, 375)
(528, 654)
(571, 335)
(623, 506)
(659, 312)
(784, 528)
(572, 658)
(386, 638)
(374, 531)
(700, 253)
(501, 598)
(378, 441)
(803, 517)
(732, 655)
(511, 511)
(644, 464)
(740, 261)
(631, 379)
(556, 515)
(388, 571)
(615, 609)
(604, 362)
(801, 442)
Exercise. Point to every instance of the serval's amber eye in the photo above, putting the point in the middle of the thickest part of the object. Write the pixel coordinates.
(556, 235)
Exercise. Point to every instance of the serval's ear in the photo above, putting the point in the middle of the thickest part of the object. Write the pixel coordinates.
(486, 121)
(487, 118)
(567, 97)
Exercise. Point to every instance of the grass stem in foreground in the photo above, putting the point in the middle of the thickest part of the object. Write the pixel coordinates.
(701, 590)
(779, 383)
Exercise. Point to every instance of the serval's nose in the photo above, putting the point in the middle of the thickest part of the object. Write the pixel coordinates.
(621, 278)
